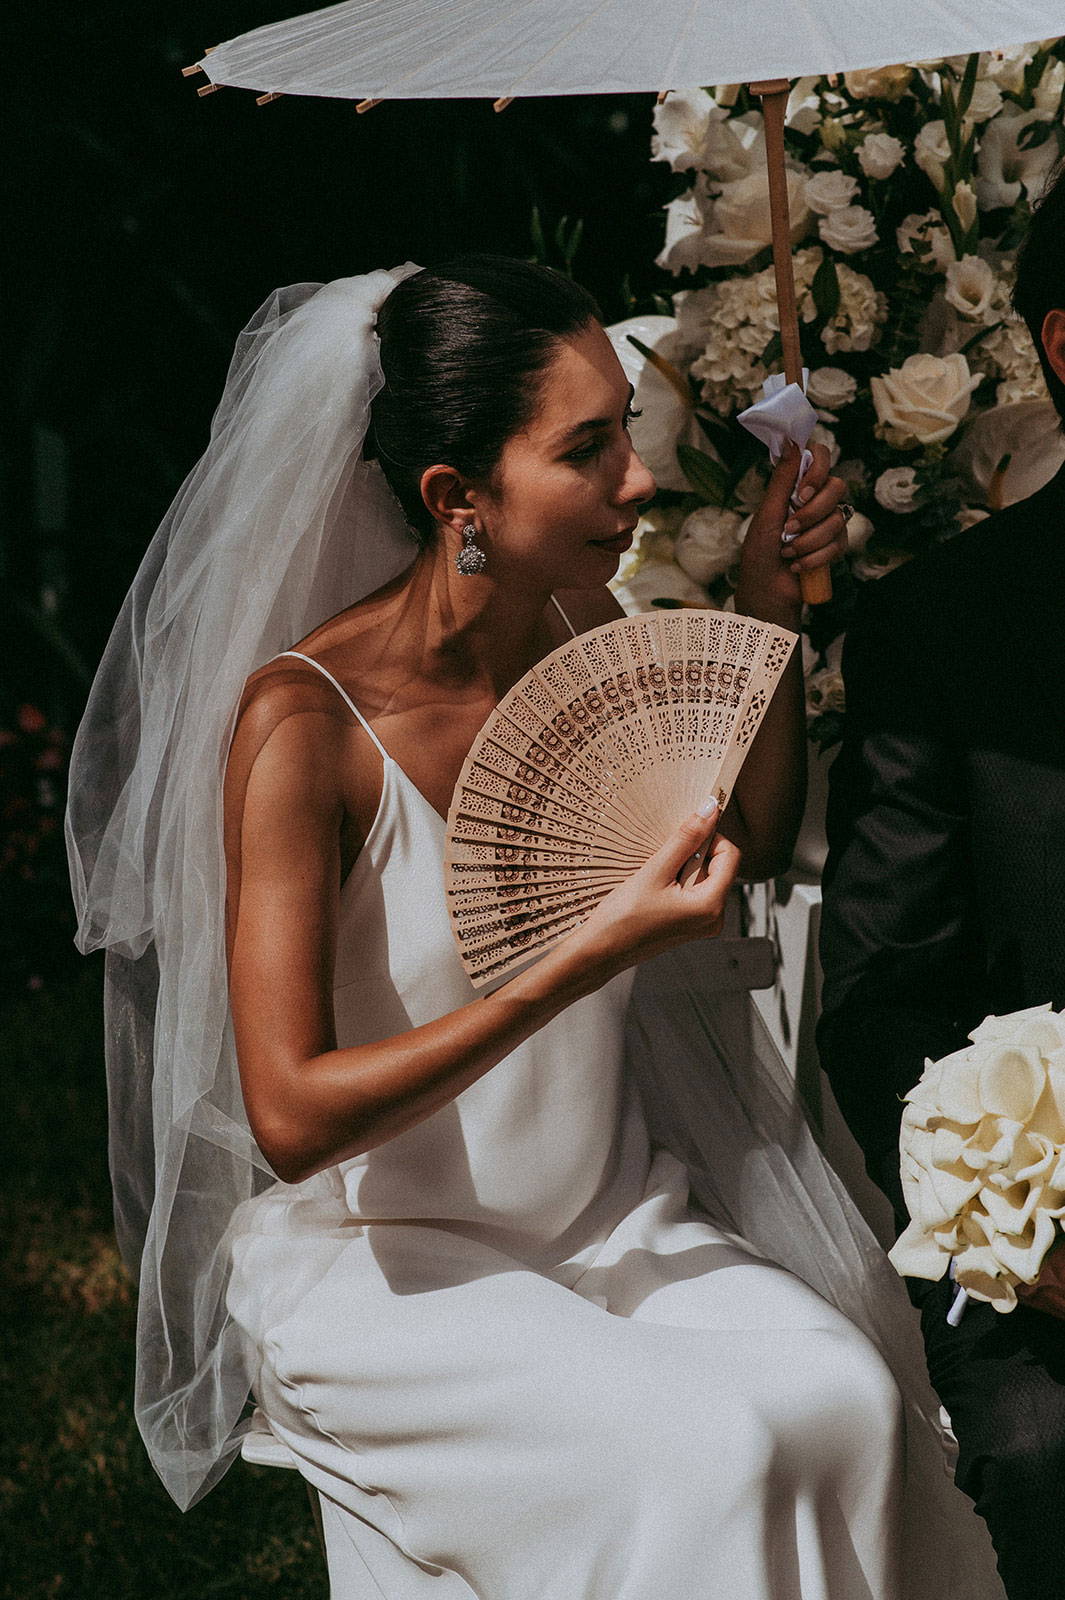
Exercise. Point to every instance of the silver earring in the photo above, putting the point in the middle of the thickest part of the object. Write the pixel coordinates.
(471, 558)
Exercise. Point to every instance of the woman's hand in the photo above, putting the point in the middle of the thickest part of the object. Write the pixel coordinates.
(815, 530)
(679, 894)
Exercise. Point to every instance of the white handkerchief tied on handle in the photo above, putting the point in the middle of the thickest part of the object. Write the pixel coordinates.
(783, 416)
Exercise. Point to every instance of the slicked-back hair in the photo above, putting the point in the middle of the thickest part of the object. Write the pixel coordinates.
(463, 347)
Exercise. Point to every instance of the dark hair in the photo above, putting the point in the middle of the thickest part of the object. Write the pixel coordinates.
(1040, 285)
(462, 348)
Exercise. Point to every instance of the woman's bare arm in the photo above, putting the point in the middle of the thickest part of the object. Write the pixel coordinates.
(310, 1103)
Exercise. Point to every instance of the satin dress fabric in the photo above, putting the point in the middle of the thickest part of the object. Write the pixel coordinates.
(510, 1356)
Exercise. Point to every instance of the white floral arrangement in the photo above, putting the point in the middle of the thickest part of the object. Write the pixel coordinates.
(910, 188)
(983, 1158)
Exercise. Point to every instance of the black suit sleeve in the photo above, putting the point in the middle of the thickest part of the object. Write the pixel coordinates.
(899, 945)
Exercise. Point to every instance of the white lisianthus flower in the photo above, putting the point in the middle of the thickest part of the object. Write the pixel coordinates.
(829, 390)
(929, 231)
(848, 230)
(1049, 90)
(923, 401)
(681, 125)
(896, 489)
(931, 151)
(986, 101)
(1003, 168)
(709, 542)
(828, 191)
(740, 224)
(1005, 68)
(825, 691)
(882, 83)
(965, 204)
(879, 154)
(970, 288)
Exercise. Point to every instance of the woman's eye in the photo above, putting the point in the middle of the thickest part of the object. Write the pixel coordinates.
(589, 451)
(631, 414)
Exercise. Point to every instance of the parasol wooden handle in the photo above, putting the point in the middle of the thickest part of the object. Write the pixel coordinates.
(817, 585)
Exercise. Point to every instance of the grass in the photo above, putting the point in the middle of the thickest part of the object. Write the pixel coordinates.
(84, 1516)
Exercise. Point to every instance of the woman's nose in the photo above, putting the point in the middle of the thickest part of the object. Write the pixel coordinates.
(639, 483)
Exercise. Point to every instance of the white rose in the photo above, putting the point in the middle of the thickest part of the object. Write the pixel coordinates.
(986, 101)
(681, 125)
(1049, 90)
(926, 237)
(879, 154)
(970, 287)
(825, 692)
(828, 191)
(655, 580)
(883, 83)
(931, 151)
(830, 389)
(740, 224)
(924, 400)
(709, 542)
(819, 434)
(896, 489)
(1003, 168)
(666, 420)
(848, 230)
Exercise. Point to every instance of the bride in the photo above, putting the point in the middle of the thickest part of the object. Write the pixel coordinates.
(432, 1233)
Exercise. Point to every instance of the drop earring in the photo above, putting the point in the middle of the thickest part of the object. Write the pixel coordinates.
(471, 558)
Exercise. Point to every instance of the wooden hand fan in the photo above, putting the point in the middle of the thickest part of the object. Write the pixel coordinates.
(589, 763)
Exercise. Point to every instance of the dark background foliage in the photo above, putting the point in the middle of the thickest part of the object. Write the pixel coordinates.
(145, 227)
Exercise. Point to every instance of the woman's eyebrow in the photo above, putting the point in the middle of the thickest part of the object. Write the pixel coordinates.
(591, 423)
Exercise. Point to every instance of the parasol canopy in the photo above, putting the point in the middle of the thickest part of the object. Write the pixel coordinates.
(374, 50)
(499, 49)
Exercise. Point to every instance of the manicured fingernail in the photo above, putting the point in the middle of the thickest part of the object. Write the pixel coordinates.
(805, 495)
(710, 807)
(791, 527)
(788, 538)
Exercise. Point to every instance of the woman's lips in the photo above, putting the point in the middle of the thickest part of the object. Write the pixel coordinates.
(618, 544)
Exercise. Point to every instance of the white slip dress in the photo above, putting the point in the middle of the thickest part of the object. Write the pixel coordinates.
(509, 1354)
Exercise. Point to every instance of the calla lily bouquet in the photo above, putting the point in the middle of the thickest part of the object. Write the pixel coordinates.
(910, 190)
(983, 1158)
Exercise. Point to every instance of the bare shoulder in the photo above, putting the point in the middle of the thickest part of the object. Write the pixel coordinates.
(287, 704)
(589, 608)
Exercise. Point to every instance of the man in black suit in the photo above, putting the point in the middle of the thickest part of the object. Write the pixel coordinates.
(944, 901)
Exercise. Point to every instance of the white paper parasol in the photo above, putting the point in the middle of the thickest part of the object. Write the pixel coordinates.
(374, 50)
(470, 49)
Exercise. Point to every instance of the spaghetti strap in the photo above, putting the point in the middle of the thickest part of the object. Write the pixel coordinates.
(564, 617)
(344, 695)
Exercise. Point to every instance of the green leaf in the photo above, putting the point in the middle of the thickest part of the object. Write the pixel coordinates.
(968, 84)
(706, 476)
(981, 333)
(826, 289)
(1034, 135)
(717, 430)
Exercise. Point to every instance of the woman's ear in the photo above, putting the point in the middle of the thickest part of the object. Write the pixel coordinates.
(448, 497)
(1053, 336)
